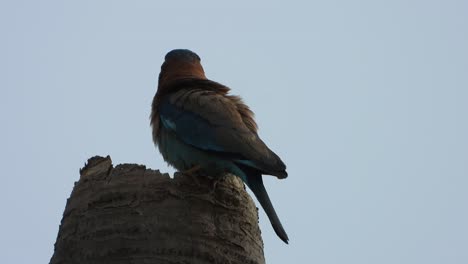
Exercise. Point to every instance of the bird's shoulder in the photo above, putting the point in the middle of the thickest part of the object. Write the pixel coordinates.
(212, 101)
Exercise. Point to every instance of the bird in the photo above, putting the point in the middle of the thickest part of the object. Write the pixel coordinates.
(199, 127)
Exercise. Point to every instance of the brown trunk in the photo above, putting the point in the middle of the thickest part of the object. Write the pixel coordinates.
(130, 214)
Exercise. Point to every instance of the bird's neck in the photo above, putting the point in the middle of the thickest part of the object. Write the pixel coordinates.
(178, 72)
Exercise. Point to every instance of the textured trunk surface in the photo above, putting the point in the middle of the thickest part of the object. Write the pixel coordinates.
(130, 214)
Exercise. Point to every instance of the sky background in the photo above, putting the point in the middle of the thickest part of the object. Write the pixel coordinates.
(365, 101)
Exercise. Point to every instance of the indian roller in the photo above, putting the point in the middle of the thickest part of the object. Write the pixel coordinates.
(199, 127)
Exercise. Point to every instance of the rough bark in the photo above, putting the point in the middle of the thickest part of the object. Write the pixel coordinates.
(130, 214)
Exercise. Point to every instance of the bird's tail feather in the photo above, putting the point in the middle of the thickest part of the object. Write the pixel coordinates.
(255, 183)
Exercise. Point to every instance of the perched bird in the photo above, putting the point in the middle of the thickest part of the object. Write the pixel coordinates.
(199, 127)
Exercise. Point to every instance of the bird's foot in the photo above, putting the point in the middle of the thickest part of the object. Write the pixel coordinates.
(192, 170)
(192, 173)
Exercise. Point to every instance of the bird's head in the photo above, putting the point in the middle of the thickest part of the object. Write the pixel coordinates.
(179, 64)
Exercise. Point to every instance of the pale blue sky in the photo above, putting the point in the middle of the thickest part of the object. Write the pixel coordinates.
(365, 101)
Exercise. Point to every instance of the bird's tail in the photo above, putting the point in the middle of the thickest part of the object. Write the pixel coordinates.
(255, 183)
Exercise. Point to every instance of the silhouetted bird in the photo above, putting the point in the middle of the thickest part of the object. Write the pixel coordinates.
(199, 127)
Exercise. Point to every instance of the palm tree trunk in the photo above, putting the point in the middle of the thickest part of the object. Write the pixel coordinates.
(130, 214)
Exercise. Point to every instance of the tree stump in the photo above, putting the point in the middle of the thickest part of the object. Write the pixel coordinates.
(130, 214)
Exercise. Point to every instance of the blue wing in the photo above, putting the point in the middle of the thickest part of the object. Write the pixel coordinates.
(211, 123)
(189, 127)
